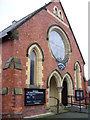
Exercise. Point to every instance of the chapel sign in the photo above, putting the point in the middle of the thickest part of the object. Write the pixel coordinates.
(34, 97)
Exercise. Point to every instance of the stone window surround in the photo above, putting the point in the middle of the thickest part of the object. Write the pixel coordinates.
(77, 69)
(55, 9)
(59, 13)
(66, 41)
(38, 71)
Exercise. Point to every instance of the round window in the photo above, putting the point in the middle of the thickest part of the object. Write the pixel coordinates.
(57, 45)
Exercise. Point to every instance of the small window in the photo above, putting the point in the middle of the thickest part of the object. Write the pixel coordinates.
(32, 68)
(60, 15)
(56, 11)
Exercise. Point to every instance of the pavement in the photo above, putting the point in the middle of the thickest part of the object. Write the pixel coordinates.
(72, 113)
(62, 116)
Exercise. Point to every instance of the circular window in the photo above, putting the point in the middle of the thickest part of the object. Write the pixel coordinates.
(57, 45)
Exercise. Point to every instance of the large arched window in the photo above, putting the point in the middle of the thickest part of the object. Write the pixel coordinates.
(34, 66)
(78, 83)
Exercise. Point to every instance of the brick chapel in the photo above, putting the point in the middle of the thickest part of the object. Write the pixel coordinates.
(40, 61)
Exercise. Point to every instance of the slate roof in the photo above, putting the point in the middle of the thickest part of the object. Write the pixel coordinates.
(16, 24)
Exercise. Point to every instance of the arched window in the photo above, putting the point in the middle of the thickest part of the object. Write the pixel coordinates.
(78, 76)
(56, 11)
(60, 15)
(32, 68)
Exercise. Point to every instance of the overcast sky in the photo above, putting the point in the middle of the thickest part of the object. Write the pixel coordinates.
(76, 11)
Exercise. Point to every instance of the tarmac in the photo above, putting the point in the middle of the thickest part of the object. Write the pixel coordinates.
(61, 116)
(71, 115)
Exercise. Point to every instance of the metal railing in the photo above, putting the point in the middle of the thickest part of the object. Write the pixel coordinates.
(73, 102)
(81, 103)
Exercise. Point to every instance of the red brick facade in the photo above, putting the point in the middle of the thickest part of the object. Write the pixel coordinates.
(34, 30)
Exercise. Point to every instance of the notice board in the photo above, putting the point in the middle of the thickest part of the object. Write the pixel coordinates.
(34, 97)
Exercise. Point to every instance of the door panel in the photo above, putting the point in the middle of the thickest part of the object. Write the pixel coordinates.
(64, 94)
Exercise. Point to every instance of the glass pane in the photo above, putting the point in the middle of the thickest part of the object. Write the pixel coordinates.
(57, 45)
(32, 65)
(55, 11)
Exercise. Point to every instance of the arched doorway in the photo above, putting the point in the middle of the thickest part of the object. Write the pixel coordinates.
(67, 89)
(64, 93)
(53, 88)
(53, 92)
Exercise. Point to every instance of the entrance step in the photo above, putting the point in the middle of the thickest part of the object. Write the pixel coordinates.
(77, 109)
(62, 109)
(53, 109)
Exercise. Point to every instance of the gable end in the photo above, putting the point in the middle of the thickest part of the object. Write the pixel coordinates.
(72, 33)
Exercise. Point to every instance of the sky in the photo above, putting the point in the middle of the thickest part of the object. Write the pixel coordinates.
(76, 11)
